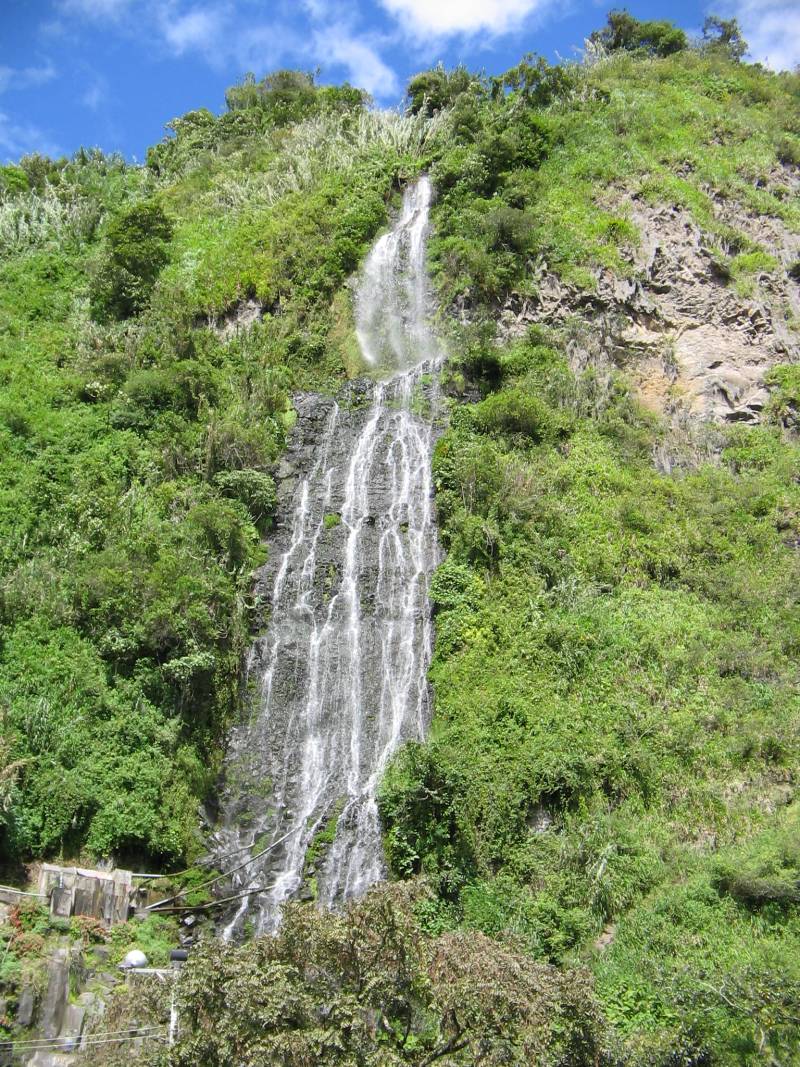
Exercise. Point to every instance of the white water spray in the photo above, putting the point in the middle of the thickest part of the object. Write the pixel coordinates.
(340, 674)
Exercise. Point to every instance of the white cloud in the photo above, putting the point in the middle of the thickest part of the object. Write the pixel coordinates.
(95, 9)
(25, 77)
(201, 29)
(96, 93)
(20, 138)
(222, 35)
(363, 64)
(772, 29)
(443, 18)
(242, 34)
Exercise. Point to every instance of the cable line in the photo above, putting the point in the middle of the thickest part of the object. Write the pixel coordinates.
(132, 1033)
(220, 877)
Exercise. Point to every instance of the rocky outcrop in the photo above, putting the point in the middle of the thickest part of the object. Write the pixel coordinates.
(55, 1025)
(238, 320)
(688, 340)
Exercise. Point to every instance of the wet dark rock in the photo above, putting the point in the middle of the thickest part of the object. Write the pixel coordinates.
(54, 1002)
(26, 1006)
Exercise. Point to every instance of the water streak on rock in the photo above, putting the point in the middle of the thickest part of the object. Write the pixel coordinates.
(338, 680)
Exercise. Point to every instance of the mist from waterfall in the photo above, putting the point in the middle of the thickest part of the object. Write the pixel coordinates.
(339, 678)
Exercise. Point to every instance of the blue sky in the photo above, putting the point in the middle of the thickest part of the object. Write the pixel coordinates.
(112, 72)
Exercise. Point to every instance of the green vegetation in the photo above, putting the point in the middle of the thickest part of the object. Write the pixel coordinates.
(600, 834)
(369, 987)
(542, 162)
(136, 441)
(616, 707)
(610, 767)
(155, 935)
(625, 33)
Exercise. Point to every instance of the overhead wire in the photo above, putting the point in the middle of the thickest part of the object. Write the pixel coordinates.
(100, 1033)
(196, 867)
(220, 877)
(219, 903)
(103, 1037)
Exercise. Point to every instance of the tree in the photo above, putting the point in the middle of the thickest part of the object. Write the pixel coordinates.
(535, 80)
(432, 90)
(287, 96)
(625, 33)
(368, 987)
(135, 252)
(724, 36)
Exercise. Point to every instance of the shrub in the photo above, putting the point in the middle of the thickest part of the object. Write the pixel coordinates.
(789, 151)
(623, 32)
(437, 89)
(255, 489)
(288, 96)
(136, 249)
(517, 412)
(13, 180)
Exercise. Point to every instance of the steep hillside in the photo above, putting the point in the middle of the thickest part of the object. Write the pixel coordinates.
(611, 772)
(139, 425)
(599, 839)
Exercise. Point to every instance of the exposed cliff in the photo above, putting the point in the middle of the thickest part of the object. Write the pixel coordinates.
(698, 323)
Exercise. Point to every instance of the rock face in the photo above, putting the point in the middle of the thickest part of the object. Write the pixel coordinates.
(678, 327)
(59, 1023)
(339, 677)
(239, 320)
(55, 997)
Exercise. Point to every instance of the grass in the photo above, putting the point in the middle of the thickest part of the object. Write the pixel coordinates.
(615, 648)
(609, 777)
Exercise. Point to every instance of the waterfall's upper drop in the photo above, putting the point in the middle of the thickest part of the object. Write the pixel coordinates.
(392, 301)
(339, 678)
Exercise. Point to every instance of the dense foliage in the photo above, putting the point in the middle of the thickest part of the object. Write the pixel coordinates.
(136, 441)
(609, 783)
(371, 987)
(624, 32)
(616, 708)
(610, 772)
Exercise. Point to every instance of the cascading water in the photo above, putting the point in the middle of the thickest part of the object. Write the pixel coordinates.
(338, 680)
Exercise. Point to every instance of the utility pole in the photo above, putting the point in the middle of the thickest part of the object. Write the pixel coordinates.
(177, 958)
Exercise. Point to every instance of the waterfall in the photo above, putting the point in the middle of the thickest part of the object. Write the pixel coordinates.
(339, 677)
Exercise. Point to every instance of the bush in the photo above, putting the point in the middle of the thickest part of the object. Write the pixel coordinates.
(516, 412)
(255, 489)
(789, 151)
(436, 89)
(136, 249)
(623, 32)
(13, 180)
(289, 96)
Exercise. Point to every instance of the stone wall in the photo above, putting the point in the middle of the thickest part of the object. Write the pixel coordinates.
(103, 895)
